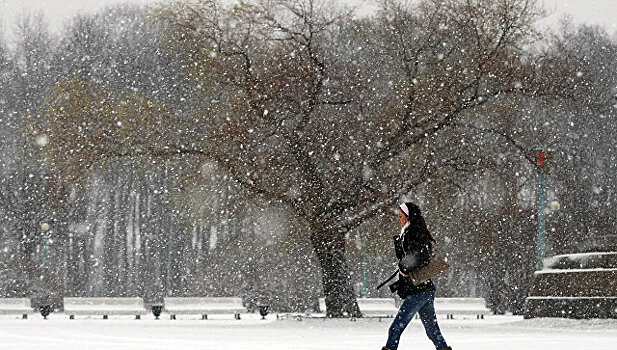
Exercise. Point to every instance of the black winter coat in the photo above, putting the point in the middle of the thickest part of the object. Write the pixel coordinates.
(413, 250)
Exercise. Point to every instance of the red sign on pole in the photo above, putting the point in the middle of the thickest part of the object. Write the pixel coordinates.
(541, 158)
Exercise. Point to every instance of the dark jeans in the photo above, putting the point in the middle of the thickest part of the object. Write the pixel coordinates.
(423, 304)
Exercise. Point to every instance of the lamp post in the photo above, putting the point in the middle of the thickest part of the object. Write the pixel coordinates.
(46, 299)
(44, 229)
(541, 158)
(364, 272)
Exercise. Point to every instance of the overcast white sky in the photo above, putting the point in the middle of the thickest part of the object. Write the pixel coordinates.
(602, 12)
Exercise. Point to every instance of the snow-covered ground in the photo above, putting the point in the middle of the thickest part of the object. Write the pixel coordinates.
(252, 333)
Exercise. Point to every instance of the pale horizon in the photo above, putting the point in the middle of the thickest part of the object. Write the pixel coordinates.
(58, 12)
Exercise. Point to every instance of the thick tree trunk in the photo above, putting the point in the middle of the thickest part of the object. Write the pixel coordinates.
(340, 297)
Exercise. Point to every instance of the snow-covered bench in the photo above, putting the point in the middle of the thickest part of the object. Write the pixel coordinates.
(385, 307)
(104, 306)
(371, 307)
(377, 307)
(15, 306)
(461, 306)
(204, 306)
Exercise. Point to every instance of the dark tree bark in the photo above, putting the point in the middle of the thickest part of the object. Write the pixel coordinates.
(340, 296)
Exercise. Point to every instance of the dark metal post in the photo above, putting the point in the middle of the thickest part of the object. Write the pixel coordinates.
(541, 163)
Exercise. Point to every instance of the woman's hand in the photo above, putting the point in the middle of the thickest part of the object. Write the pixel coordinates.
(402, 274)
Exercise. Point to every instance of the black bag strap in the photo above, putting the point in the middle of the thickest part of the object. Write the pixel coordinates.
(388, 280)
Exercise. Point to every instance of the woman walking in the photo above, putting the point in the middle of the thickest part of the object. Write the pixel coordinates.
(413, 248)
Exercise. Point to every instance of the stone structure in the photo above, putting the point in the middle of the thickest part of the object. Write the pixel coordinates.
(580, 285)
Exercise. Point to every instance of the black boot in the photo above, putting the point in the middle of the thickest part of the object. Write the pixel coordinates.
(447, 348)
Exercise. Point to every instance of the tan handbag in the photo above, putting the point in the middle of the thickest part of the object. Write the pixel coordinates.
(436, 266)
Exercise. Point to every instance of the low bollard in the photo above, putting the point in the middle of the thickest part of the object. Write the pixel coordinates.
(45, 311)
(156, 310)
(263, 311)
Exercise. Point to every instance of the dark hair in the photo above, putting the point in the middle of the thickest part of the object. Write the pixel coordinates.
(416, 219)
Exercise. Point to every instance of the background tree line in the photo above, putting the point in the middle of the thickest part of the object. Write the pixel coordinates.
(259, 149)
